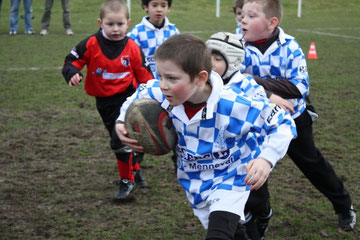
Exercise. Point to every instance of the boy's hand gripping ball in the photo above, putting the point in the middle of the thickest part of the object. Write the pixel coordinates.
(150, 124)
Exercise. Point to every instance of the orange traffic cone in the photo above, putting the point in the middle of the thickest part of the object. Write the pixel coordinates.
(312, 52)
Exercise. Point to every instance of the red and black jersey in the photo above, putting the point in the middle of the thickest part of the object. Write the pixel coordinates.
(113, 67)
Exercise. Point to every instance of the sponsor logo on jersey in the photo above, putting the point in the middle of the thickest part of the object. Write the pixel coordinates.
(208, 161)
(303, 69)
(73, 52)
(221, 155)
(98, 71)
(125, 61)
(209, 166)
(150, 59)
(273, 113)
(114, 76)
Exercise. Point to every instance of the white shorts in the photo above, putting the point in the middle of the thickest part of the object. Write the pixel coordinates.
(223, 200)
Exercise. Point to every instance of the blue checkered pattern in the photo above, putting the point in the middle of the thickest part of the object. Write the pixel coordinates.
(217, 143)
(149, 38)
(247, 85)
(238, 32)
(283, 59)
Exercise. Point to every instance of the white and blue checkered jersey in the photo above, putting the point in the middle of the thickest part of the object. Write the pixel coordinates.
(248, 85)
(284, 59)
(149, 38)
(215, 145)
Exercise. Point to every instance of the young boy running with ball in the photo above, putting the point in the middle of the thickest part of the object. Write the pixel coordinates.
(227, 142)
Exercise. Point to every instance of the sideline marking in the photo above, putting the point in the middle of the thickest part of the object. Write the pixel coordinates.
(30, 68)
(328, 34)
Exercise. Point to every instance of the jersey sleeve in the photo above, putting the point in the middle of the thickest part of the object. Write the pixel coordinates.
(149, 90)
(297, 68)
(248, 85)
(291, 82)
(142, 71)
(278, 129)
(282, 87)
(133, 34)
(75, 60)
(176, 31)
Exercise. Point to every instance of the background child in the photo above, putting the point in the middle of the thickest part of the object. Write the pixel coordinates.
(227, 141)
(227, 53)
(115, 67)
(238, 4)
(277, 62)
(153, 29)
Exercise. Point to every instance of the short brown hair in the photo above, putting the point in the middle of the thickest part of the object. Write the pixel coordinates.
(271, 8)
(113, 6)
(238, 4)
(188, 52)
(146, 3)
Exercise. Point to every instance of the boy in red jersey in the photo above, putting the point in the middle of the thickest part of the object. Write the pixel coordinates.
(115, 67)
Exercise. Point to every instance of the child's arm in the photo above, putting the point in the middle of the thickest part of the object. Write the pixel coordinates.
(247, 84)
(282, 87)
(251, 88)
(286, 105)
(258, 171)
(277, 129)
(130, 142)
(291, 81)
(74, 62)
(142, 72)
(149, 90)
(75, 80)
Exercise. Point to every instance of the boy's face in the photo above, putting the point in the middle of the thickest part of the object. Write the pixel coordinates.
(238, 14)
(218, 63)
(157, 10)
(114, 24)
(254, 24)
(175, 84)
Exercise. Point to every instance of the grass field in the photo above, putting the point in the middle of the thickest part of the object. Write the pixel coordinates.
(58, 175)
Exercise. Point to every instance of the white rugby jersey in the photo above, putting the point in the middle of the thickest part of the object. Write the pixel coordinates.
(283, 59)
(149, 38)
(215, 145)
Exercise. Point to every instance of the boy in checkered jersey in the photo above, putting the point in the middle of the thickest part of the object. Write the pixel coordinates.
(153, 29)
(227, 53)
(228, 142)
(277, 62)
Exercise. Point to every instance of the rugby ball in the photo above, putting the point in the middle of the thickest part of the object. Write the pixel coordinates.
(150, 124)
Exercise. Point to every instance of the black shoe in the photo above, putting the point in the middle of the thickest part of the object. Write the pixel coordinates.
(347, 220)
(125, 188)
(263, 224)
(139, 179)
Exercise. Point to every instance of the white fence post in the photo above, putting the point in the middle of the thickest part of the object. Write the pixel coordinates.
(299, 9)
(129, 6)
(217, 8)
